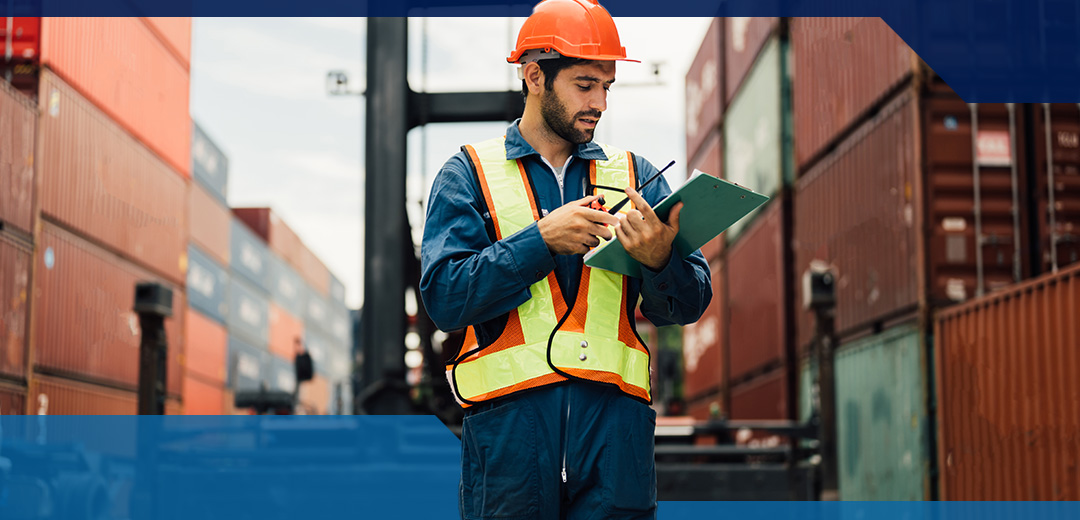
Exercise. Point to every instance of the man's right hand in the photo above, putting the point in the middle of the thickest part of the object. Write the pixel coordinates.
(573, 228)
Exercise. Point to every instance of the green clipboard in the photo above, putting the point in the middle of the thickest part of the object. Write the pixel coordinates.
(710, 205)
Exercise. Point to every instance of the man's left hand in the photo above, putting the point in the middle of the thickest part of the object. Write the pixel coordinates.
(645, 237)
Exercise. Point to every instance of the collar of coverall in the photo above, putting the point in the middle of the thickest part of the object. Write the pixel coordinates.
(517, 147)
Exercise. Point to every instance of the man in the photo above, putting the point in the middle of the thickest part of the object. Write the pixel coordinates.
(554, 379)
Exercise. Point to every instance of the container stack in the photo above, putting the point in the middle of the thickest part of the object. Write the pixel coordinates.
(109, 171)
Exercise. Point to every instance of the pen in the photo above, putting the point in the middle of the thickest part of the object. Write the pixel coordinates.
(615, 209)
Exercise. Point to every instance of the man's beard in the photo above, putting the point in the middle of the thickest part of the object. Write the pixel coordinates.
(554, 113)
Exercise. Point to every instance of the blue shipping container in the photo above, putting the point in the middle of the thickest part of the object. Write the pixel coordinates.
(317, 314)
(249, 313)
(207, 284)
(282, 375)
(322, 351)
(248, 365)
(248, 255)
(209, 164)
(287, 288)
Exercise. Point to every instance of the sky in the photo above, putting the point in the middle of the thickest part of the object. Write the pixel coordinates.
(258, 89)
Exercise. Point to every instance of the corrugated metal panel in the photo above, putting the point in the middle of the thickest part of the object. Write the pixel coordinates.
(249, 313)
(249, 256)
(207, 285)
(12, 400)
(287, 289)
(285, 329)
(1008, 393)
(756, 288)
(126, 71)
(282, 374)
(843, 67)
(744, 38)
(951, 190)
(209, 223)
(65, 397)
(207, 345)
(337, 290)
(755, 153)
(710, 161)
(98, 180)
(175, 32)
(248, 365)
(703, 343)
(882, 429)
(315, 395)
(762, 398)
(856, 210)
(18, 130)
(15, 261)
(1059, 181)
(203, 397)
(84, 324)
(704, 408)
(704, 90)
(24, 42)
(209, 165)
(287, 244)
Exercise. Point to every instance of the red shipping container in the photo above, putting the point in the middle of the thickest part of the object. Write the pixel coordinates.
(743, 40)
(1057, 137)
(96, 179)
(59, 396)
(710, 160)
(209, 223)
(12, 400)
(287, 244)
(84, 325)
(24, 42)
(15, 262)
(131, 75)
(844, 68)
(757, 286)
(175, 32)
(205, 352)
(1008, 407)
(203, 397)
(763, 398)
(285, 329)
(702, 408)
(703, 343)
(704, 91)
(18, 129)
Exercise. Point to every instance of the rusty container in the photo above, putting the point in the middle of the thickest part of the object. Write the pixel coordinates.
(202, 397)
(96, 179)
(710, 160)
(84, 325)
(762, 398)
(287, 244)
(12, 400)
(703, 343)
(285, 329)
(175, 32)
(758, 285)
(18, 130)
(1008, 393)
(1057, 184)
(205, 354)
(15, 265)
(130, 74)
(845, 68)
(209, 223)
(704, 91)
(50, 395)
(743, 39)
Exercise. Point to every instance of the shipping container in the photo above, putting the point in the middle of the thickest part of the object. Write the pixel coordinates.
(18, 130)
(710, 161)
(744, 39)
(340, 324)
(763, 398)
(248, 366)
(83, 322)
(15, 265)
(844, 69)
(285, 330)
(319, 347)
(315, 395)
(24, 40)
(248, 255)
(1008, 395)
(317, 316)
(757, 130)
(97, 180)
(249, 313)
(287, 288)
(759, 286)
(282, 374)
(1057, 184)
(175, 32)
(287, 244)
(203, 397)
(857, 210)
(209, 165)
(703, 343)
(207, 285)
(209, 223)
(704, 92)
(337, 290)
(707, 408)
(206, 352)
(12, 400)
(59, 396)
(120, 65)
(882, 426)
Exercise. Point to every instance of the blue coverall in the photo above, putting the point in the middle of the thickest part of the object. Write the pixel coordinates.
(574, 450)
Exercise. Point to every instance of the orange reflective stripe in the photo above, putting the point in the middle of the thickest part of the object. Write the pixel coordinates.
(608, 378)
(546, 379)
(626, 331)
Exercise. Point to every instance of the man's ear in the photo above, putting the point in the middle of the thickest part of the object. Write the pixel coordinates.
(534, 78)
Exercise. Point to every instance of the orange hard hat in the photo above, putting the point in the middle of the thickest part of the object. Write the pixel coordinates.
(574, 28)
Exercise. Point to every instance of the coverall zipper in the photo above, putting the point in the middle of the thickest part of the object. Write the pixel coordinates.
(566, 434)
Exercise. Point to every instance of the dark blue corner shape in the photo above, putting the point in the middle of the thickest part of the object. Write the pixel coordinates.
(987, 50)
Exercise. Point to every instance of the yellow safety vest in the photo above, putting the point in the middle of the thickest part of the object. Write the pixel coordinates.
(545, 341)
